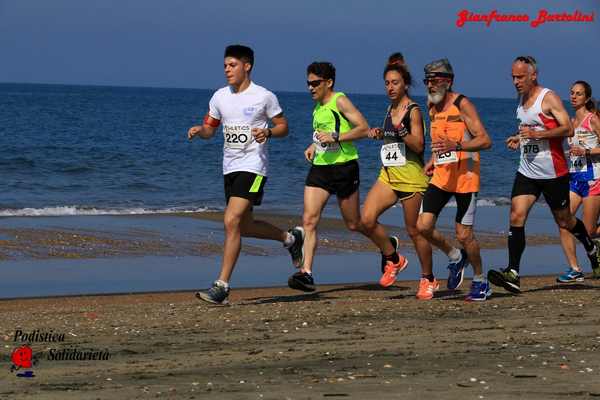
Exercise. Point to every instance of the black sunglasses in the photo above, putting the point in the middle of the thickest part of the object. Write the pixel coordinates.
(315, 83)
(436, 77)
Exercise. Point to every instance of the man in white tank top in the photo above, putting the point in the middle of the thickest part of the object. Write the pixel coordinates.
(244, 109)
(544, 126)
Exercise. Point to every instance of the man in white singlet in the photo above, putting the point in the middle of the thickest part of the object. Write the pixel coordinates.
(544, 126)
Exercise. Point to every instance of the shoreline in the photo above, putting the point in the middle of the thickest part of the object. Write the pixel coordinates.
(96, 237)
(413, 283)
(129, 254)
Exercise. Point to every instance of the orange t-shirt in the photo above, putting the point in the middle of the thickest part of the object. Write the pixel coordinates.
(455, 171)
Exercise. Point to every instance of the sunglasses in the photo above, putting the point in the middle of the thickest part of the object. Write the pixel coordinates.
(315, 83)
(434, 81)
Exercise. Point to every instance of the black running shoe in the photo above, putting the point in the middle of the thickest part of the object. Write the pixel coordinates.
(216, 294)
(396, 245)
(297, 249)
(507, 278)
(302, 281)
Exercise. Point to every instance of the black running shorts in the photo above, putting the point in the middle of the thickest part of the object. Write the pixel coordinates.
(246, 185)
(339, 179)
(555, 190)
(435, 199)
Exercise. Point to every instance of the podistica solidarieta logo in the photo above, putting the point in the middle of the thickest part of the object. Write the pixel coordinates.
(24, 358)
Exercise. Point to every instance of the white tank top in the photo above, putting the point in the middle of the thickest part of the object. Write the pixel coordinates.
(541, 158)
(582, 166)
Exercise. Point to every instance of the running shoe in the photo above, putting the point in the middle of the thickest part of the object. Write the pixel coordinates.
(216, 294)
(571, 275)
(396, 245)
(302, 281)
(456, 271)
(507, 278)
(479, 291)
(297, 249)
(427, 288)
(391, 270)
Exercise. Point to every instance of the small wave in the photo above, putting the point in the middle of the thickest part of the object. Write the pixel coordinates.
(487, 202)
(75, 170)
(142, 186)
(75, 210)
(17, 162)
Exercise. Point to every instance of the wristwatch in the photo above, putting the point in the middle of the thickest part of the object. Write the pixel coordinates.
(269, 133)
(458, 146)
(335, 136)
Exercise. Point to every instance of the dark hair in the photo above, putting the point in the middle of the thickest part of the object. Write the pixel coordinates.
(322, 69)
(396, 58)
(243, 53)
(401, 69)
(590, 104)
(527, 60)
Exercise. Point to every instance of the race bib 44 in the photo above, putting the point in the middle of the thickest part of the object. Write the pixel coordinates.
(393, 154)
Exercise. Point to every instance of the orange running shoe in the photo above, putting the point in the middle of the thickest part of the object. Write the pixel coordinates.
(427, 288)
(391, 270)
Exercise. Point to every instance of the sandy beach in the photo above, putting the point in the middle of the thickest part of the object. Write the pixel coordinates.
(345, 341)
(352, 340)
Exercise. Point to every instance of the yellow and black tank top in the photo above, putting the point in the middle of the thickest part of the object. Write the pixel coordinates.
(402, 167)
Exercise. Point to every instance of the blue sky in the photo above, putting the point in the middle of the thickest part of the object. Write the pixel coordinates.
(180, 43)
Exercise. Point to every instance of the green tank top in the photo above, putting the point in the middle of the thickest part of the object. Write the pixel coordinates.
(327, 118)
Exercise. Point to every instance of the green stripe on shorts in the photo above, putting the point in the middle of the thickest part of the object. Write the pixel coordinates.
(256, 184)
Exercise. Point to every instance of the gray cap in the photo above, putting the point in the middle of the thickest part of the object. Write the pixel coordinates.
(440, 68)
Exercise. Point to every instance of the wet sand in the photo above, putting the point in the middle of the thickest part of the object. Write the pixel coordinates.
(345, 341)
(57, 241)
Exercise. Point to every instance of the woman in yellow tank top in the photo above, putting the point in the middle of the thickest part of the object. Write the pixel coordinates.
(401, 179)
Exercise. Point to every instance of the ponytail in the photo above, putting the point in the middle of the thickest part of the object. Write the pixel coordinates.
(591, 105)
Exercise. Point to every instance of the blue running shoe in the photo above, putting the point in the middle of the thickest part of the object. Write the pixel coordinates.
(479, 291)
(216, 294)
(456, 271)
(571, 275)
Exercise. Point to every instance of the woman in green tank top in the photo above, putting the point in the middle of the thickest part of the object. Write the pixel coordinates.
(334, 159)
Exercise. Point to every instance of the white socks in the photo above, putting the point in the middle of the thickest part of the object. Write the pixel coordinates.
(222, 283)
(454, 255)
(289, 240)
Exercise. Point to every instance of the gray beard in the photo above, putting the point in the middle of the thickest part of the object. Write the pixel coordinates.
(436, 98)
